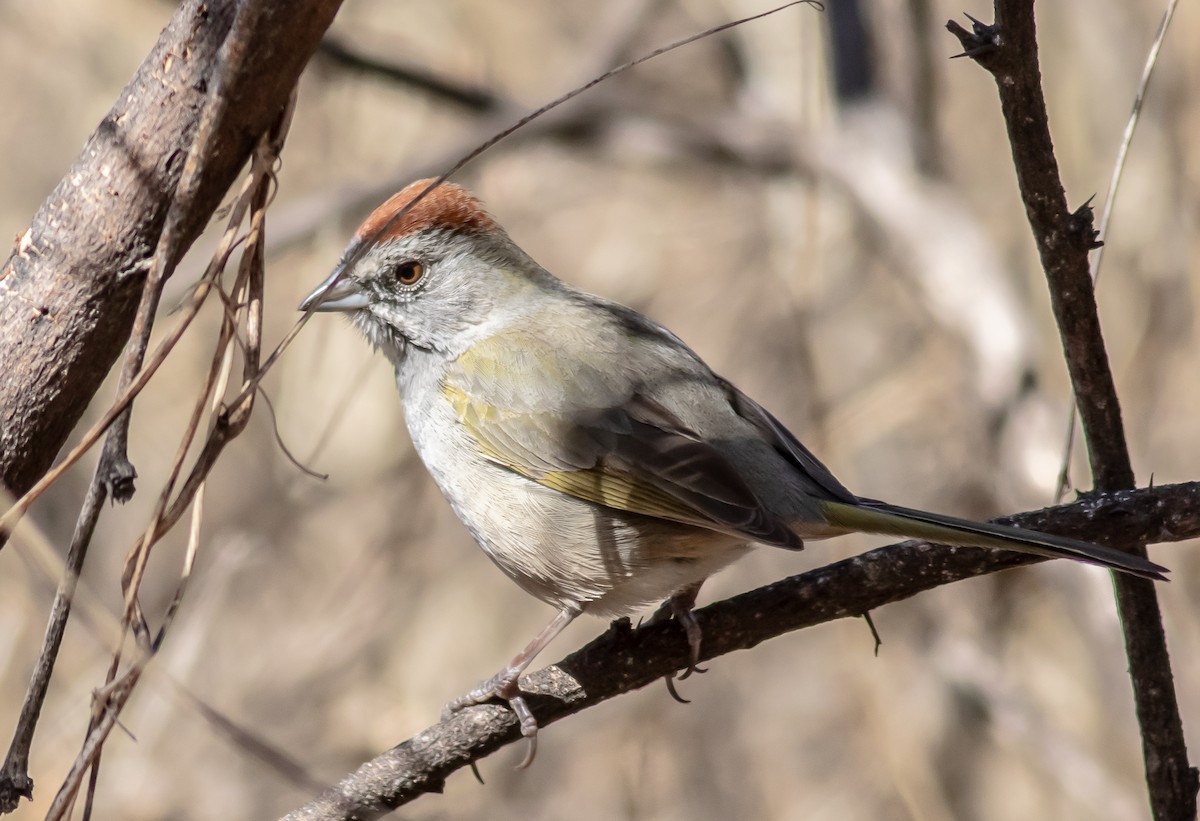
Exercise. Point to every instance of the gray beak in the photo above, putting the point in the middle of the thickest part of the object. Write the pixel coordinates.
(336, 294)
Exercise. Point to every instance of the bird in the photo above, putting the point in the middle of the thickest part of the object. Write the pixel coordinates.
(595, 458)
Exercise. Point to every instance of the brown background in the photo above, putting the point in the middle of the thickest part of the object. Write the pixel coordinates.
(889, 316)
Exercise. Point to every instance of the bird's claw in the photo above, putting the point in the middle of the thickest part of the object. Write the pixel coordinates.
(529, 728)
(679, 607)
(504, 686)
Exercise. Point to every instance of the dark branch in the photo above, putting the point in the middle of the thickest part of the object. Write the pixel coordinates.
(15, 782)
(478, 99)
(90, 247)
(1013, 61)
(69, 289)
(1008, 50)
(625, 659)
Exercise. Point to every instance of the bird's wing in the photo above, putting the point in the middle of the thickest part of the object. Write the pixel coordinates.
(787, 445)
(597, 436)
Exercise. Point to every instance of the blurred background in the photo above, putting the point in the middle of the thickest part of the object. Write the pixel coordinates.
(824, 207)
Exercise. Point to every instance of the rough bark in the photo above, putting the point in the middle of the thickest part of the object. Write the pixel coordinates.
(70, 286)
(624, 659)
(1008, 49)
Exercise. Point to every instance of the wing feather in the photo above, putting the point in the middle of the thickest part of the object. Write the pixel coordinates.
(787, 445)
(620, 448)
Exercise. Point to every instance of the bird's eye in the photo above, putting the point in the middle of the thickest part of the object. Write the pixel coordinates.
(409, 273)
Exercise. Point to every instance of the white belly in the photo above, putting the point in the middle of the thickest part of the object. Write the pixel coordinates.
(563, 550)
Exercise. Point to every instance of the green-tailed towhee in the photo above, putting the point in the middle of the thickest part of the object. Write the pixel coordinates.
(594, 457)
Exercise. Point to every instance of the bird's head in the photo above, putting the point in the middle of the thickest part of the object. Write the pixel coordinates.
(426, 277)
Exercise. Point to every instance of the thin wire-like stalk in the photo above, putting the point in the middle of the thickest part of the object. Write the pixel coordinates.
(1064, 474)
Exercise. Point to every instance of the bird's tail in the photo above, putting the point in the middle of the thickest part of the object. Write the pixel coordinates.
(870, 516)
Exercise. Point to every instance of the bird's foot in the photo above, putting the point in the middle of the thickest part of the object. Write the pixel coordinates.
(679, 607)
(504, 685)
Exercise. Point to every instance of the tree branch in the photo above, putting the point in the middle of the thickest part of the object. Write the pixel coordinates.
(15, 782)
(475, 98)
(625, 659)
(1008, 50)
(186, 120)
(70, 287)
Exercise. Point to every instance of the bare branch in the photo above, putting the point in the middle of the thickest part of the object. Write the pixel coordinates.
(475, 98)
(225, 425)
(1008, 50)
(15, 782)
(70, 287)
(1064, 476)
(625, 659)
(67, 292)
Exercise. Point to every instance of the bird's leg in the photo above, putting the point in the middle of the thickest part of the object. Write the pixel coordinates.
(679, 607)
(505, 683)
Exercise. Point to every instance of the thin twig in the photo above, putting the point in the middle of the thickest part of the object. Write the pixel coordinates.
(227, 424)
(105, 717)
(188, 313)
(497, 136)
(475, 98)
(15, 773)
(91, 611)
(233, 54)
(118, 472)
(114, 473)
(1110, 198)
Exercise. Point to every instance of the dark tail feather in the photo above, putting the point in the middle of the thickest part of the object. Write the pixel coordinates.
(879, 517)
